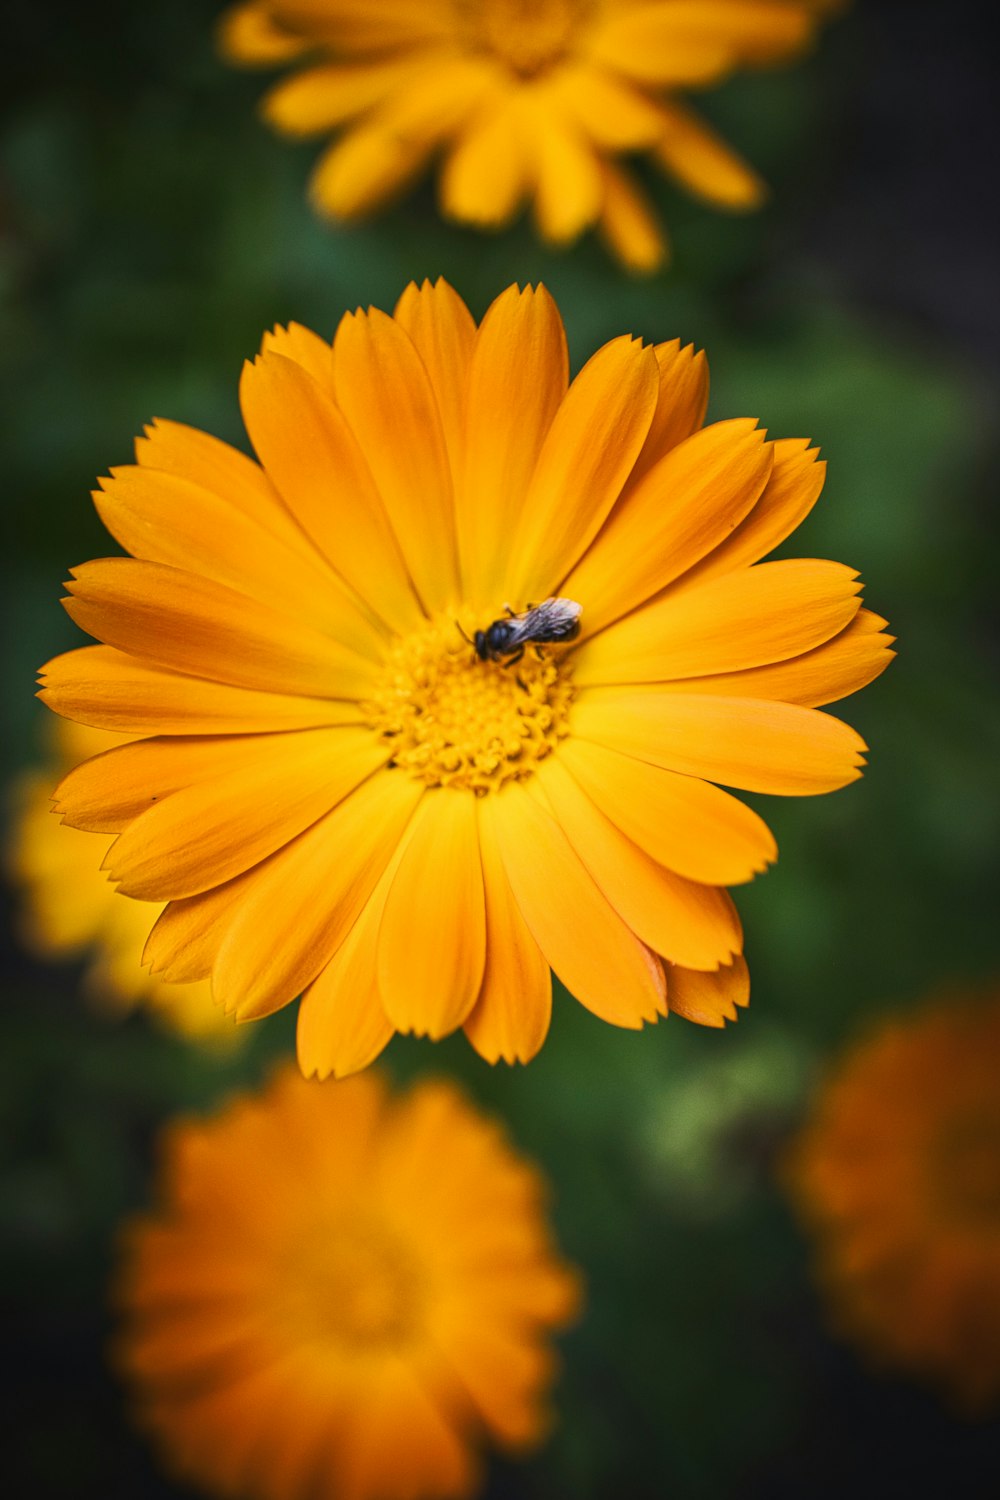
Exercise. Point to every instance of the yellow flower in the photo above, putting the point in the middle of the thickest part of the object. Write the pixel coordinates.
(342, 1294)
(897, 1173)
(340, 797)
(69, 907)
(519, 99)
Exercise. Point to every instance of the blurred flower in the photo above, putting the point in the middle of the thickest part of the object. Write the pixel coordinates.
(520, 99)
(70, 908)
(341, 797)
(897, 1173)
(341, 1294)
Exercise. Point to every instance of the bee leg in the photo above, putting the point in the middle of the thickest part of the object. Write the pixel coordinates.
(512, 661)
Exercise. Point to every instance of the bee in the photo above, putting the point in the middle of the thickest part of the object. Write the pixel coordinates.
(552, 620)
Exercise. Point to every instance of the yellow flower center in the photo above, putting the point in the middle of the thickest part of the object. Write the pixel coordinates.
(453, 720)
(355, 1285)
(967, 1171)
(528, 35)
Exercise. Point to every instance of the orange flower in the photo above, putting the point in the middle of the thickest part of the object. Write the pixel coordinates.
(70, 908)
(897, 1174)
(520, 99)
(340, 797)
(341, 1294)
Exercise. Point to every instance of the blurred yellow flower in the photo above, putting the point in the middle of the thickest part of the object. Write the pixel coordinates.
(69, 907)
(897, 1174)
(519, 100)
(344, 796)
(342, 1295)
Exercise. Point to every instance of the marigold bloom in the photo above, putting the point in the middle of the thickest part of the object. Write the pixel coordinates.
(519, 99)
(69, 908)
(340, 1294)
(340, 798)
(897, 1173)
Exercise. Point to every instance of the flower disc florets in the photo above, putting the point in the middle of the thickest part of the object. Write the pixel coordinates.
(526, 35)
(453, 720)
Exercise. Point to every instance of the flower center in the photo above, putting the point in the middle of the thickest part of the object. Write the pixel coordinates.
(453, 720)
(967, 1170)
(354, 1285)
(528, 35)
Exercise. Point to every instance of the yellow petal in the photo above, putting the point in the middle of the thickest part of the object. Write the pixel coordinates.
(342, 1026)
(595, 954)
(511, 1015)
(706, 166)
(350, 26)
(517, 380)
(745, 619)
(569, 184)
(693, 828)
(850, 661)
(432, 941)
(486, 174)
(748, 743)
(697, 41)
(680, 407)
(318, 467)
(364, 171)
(444, 335)
(163, 518)
(588, 452)
(185, 938)
(680, 509)
(318, 99)
(294, 910)
(615, 115)
(101, 686)
(628, 225)
(791, 491)
(304, 348)
(709, 999)
(690, 924)
(251, 37)
(204, 834)
(385, 393)
(187, 623)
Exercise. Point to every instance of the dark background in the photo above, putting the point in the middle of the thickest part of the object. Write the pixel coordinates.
(150, 229)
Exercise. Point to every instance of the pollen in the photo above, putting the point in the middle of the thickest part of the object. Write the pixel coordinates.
(528, 35)
(366, 1292)
(453, 720)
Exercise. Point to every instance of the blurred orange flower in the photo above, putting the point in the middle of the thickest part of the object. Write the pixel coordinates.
(345, 797)
(520, 99)
(897, 1174)
(341, 1294)
(69, 907)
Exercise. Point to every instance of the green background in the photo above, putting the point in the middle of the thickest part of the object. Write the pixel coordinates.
(152, 230)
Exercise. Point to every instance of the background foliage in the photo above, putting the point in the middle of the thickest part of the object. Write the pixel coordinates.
(151, 229)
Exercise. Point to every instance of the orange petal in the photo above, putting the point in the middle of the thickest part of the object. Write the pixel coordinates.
(693, 828)
(318, 99)
(432, 941)
(385, 392)
(364, 171)
(595, 438)
(304, 348)
(628, 225)
(680, 407)
(185, 938)
(444, 335)
(696, 42)
(569, 183)
(690, 924)
(511, 1015)
(517, 379)
(486, 175)
(680, 509)
(342, 1026)
(709, 999)
(702, 161)
(738, 620)
(187, 623)
(614, 114)
(595, 954)
(250, 37)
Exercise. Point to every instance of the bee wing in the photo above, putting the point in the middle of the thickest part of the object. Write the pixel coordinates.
(553, 619)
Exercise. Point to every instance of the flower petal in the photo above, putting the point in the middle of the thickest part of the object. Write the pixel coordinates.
(205, 833)
(709, 999)
(680, 509)
(486, 174)
(569, 184)
(320, 98)
(628, 225)
(511, 1015)
(688, 825)
(595, 954)
(614, 114)
(106, 688)
(187, 623)
(250, 37)
(595, 438)
(444, 335)
(690, 924)
(702, 161)
(342, 1026)
(697, 41)
(185, 938)
(363, 171)
(517, 379)
(385, 392)
(432, 941)
(305, 348)
(749, 743)
(321, 473)
(680, 407)
(745, 619)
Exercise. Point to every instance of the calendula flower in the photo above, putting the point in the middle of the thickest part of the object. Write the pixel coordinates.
(341, 796)
(897, 1174)
(517, 100)
(69, 908)
(341, 1295)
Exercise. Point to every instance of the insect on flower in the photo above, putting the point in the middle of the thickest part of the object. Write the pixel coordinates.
(552, 620)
